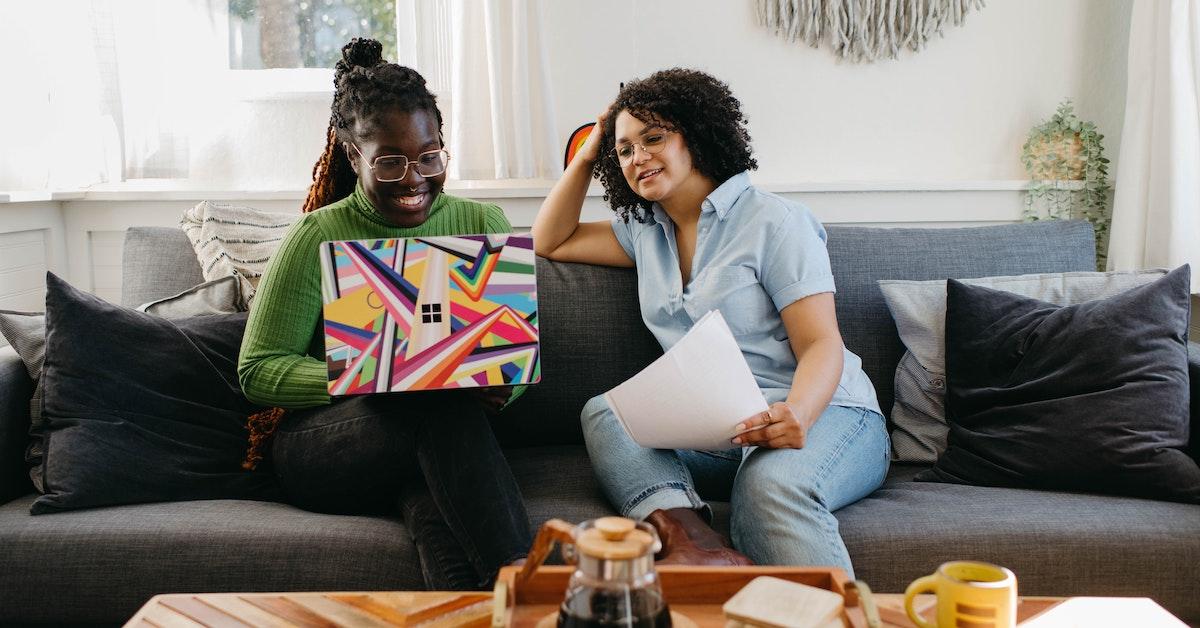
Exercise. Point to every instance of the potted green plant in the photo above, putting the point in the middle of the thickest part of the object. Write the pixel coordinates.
(1064, 157)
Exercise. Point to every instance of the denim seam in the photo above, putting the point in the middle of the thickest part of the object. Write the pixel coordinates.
(688, 489)
(829, 522)
(645, 494)
(464, 539)
(827, 464)
(431, 560)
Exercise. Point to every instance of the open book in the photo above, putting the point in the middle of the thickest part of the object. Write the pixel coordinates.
(693, 396)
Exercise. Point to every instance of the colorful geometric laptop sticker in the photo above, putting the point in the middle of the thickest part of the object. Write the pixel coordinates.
(430, 313)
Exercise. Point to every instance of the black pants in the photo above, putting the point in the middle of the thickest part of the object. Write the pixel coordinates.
(431, 456)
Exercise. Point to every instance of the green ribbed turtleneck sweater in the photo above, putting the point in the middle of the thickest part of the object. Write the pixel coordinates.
(283, 352)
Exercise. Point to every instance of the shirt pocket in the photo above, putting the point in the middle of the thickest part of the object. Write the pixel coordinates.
(736, 292)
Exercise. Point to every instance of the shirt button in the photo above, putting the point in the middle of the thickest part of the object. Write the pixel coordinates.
(938, 383)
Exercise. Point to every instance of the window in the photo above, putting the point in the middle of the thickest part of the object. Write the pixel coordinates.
(266, 34)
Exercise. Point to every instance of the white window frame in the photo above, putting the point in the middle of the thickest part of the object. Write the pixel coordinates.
(296, 84)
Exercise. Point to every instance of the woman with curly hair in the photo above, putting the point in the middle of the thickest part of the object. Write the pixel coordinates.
(431, 456)
(673, 155)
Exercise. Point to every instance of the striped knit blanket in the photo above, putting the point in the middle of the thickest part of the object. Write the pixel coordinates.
(234, 240)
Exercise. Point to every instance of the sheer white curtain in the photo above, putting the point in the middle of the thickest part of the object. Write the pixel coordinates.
(502, 110)
(106, 90)
(55, 135)
(1156, 212)
(159, 56)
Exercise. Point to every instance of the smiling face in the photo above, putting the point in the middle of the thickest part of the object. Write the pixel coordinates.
(404, 203)
(653, 176)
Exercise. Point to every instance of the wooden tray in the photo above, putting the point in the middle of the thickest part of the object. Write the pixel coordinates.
(695, 592)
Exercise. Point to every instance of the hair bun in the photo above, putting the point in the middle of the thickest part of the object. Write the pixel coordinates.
(362, 52)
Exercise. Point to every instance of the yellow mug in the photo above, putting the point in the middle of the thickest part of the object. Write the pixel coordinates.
(969, 595)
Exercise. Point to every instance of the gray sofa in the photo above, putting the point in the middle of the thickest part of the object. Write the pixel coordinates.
(99, 566)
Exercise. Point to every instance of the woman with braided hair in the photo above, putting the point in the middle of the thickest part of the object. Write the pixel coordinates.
(430, 455)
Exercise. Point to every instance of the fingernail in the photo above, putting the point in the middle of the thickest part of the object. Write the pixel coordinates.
(740, 427)
(737, 441)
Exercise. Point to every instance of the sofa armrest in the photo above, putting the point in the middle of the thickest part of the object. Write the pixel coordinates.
(15, 390)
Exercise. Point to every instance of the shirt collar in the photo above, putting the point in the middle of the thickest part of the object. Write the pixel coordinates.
(726, 195)
(721, 200)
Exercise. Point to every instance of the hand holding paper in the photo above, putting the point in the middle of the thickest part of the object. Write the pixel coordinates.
(693, 396)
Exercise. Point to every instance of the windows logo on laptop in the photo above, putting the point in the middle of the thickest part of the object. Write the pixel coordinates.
(428, 313)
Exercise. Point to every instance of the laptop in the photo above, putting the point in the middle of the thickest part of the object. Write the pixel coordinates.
(430, 313)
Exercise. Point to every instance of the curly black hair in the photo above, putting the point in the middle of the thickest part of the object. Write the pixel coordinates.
(699, 107)
(367, 86)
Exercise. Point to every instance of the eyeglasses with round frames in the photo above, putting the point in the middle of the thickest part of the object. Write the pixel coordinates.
(652, 144)
(389, 168)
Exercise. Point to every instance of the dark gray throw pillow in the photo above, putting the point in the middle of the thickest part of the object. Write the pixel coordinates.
(26, 332)
(1090, 397)
(139, 408)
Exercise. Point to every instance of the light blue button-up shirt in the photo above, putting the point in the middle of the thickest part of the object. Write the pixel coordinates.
(756, 253)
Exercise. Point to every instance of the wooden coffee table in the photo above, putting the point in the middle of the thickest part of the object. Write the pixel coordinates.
(279, 610)
(1043, 612)
(378, 609)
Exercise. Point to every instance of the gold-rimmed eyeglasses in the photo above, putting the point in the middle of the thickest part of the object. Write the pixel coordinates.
(388, 168)
(652, 143)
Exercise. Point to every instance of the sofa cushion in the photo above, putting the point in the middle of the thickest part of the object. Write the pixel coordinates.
(139, 408)
(603, 301)
(919, 309)
(592, 338)
(146, 253)
(1057, 543)
(1089, 397)
(860, 256)
(113, 559)
(116, 558)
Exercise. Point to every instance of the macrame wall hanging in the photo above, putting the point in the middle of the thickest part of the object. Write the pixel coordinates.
(863, 30)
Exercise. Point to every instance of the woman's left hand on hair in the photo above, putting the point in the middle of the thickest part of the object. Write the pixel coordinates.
(779, 427)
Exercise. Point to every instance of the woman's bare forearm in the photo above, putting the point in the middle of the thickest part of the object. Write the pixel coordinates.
(559, 215)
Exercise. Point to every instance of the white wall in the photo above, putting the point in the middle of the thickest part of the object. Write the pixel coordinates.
(932, 138)
(959, 110)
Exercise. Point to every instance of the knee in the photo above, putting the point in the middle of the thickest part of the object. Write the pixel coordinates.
(595, 414)
(765, 488)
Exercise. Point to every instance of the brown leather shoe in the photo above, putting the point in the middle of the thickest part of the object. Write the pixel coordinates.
(688, 540)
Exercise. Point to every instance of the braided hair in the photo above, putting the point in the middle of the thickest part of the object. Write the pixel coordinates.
(366, 87)
(699, 107)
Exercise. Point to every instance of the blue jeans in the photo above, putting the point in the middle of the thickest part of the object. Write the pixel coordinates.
(782, 500)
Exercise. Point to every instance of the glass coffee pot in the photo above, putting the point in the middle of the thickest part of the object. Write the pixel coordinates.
(614, 583)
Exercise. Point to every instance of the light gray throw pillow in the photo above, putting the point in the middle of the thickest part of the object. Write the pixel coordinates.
(919, 309)
(219, 296)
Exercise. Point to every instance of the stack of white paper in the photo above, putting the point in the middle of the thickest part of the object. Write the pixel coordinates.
(693, 396)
